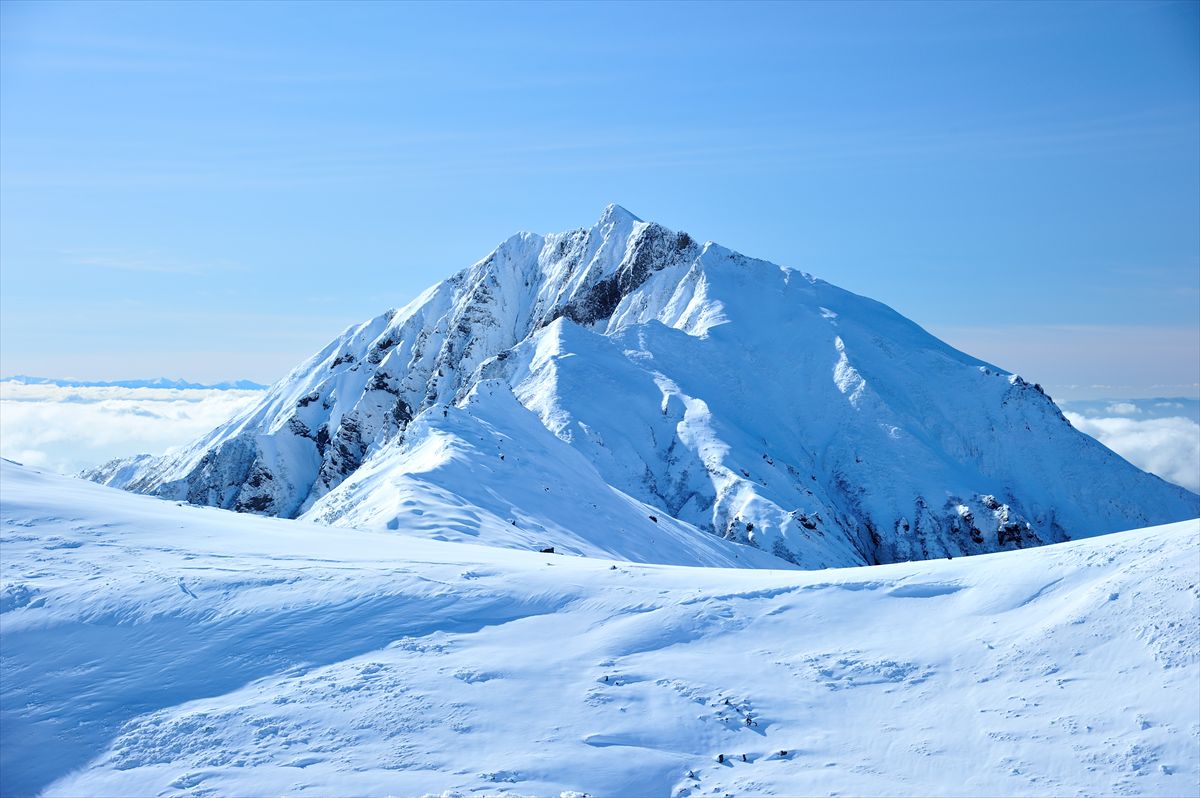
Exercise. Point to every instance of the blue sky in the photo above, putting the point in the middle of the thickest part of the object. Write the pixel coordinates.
(215, 190)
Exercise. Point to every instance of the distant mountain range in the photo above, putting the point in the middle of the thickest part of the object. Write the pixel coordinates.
(625, 390)
(159, 382)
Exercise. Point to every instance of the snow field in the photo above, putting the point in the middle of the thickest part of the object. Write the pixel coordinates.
(151, 648)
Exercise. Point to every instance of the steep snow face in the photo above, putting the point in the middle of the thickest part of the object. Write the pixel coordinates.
(736, 397)
(152, 649)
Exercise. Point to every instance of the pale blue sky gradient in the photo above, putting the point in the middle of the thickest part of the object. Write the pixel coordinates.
(213, 191)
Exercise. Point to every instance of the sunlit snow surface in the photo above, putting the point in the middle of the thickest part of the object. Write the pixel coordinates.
(154, 649)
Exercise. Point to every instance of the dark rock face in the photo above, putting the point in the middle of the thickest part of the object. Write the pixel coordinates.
(654, 249)
(228, 477)
(402, 414)
(344, 453)
(255, 496)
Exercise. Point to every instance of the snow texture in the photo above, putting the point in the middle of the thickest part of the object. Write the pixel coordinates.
(151, 648)
(724, 395)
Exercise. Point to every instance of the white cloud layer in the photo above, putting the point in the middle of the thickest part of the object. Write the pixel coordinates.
(1169, 447)
(69, 429)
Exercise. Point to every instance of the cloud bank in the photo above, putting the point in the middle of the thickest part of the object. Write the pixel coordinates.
(1168, 446)
(69, 429)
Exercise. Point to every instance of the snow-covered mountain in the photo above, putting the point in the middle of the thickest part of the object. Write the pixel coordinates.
(618, 389)
(151, 649)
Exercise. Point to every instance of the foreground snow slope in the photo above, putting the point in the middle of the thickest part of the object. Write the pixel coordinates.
(742, 399)
(151, 649)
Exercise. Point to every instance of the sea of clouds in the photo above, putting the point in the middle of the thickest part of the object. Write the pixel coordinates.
(1161, 436)
(69, 429)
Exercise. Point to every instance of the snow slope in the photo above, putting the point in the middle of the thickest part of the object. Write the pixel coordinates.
(742, 399)
(150, 649)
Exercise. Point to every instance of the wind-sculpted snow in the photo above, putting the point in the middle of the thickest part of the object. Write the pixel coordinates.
(729, 396)
(156, 649)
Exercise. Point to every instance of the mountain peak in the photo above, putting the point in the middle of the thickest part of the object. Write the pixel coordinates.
(616, 214)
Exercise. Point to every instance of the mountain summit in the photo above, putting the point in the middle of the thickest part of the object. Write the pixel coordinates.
(624, 390)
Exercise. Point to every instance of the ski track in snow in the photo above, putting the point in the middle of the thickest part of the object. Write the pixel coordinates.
(157, 649)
